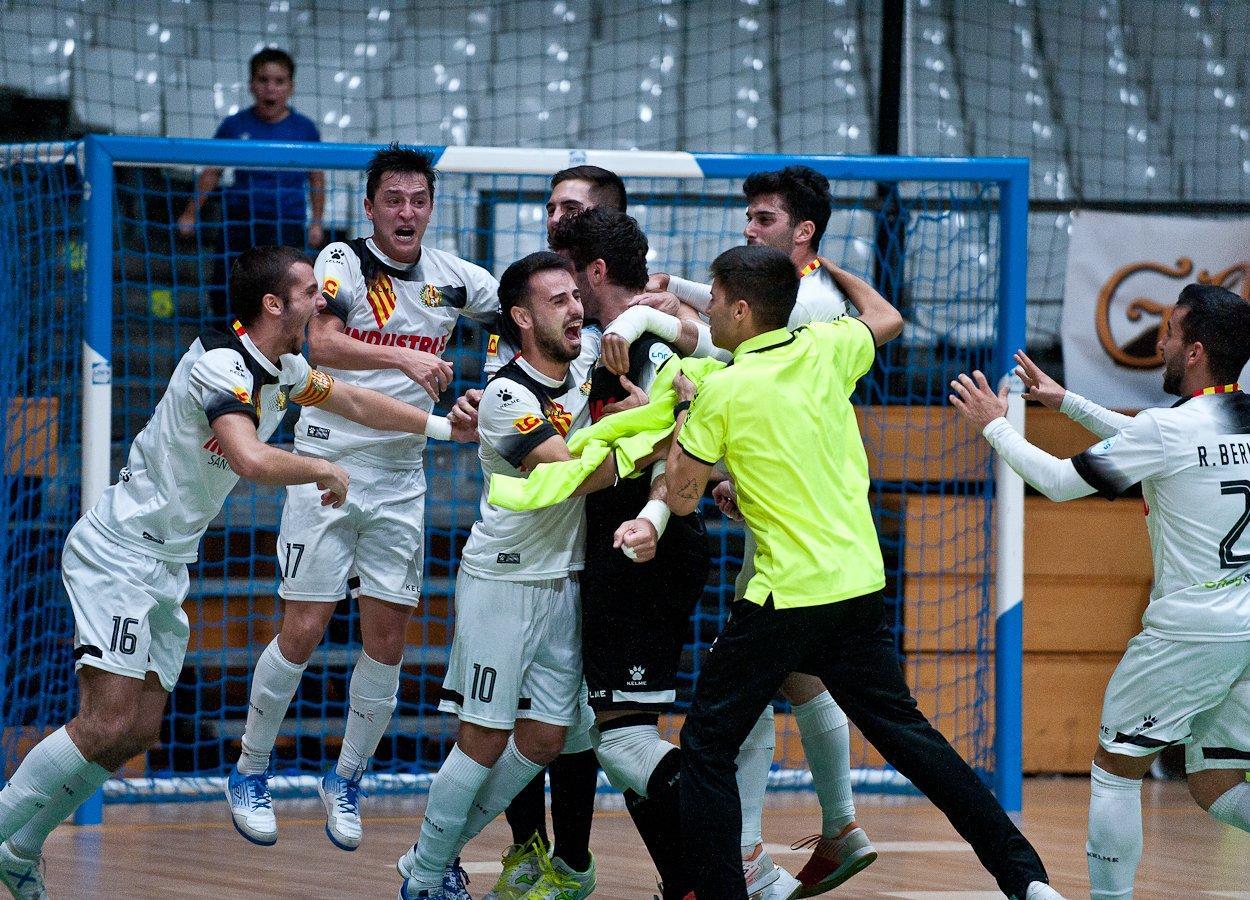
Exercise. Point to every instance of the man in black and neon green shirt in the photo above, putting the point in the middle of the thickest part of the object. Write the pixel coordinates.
(781, 418)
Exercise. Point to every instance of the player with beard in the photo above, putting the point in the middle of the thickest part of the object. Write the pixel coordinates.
(515, 675)
(1185, 679)
(125, 561)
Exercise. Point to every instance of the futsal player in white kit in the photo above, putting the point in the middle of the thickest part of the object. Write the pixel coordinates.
(125, 561)
(391, 304)
(515, 675)
(1185, 679)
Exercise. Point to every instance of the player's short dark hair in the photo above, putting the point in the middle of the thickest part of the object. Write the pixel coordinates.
(609, 235)
(1220, 320)
(399, 159)
(270, 55)
(259, 271)
(606, 188)
(514, 287)
(763, 277)
(804, 193)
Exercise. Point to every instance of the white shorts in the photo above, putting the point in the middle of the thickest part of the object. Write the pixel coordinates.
(1177, 692)
(128, 616)
(517, 652)
(378, 533)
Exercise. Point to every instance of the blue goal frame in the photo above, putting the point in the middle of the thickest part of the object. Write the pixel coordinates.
(1011, 175)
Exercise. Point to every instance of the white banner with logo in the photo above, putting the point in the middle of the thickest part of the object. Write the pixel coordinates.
(1123, 277)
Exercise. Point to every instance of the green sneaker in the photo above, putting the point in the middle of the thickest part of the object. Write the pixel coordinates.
(559, 882)
(521, 870)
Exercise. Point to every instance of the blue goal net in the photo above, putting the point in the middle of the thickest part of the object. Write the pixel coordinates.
(942, 238)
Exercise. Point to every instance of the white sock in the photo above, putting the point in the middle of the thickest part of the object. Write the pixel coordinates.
(374, 692)
(826, 740)
(629, 755)
(50, 765)
(446, 811)
(273, 685)
(1114, 845)
(511, 772)
(755, 759)
(1233, 807)
(72, 793)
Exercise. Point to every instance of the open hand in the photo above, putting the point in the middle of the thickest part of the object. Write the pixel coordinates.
(431, 372)
(976, 399)
(1038, 385)
(636, 397)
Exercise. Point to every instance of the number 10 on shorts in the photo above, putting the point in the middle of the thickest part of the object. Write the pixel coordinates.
(483, 683)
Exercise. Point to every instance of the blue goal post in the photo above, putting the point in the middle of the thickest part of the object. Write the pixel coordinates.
(943, 238)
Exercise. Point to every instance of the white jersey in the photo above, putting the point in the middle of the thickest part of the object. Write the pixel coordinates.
(520, 409)
(819, 299)
(1193, 462)
(385, 303)
(176, 479)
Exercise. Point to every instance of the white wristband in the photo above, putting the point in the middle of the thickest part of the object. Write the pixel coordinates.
(656, 512)
(695, 293)
(637, 320)
(438, 427)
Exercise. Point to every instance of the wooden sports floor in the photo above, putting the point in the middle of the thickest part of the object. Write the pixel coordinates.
(191, 850)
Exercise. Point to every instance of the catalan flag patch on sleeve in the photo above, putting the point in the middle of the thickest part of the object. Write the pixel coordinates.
(316, 391)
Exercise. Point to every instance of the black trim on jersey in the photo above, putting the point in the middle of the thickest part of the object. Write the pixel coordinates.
(227, 403)
(519, 446)
(523, 704)
(630, 721)
(371, 266)
(336, 307)
(786, 343)
(1140, 740)
(1088, 467)
(692, 456)
(87, 650)
(1225, 753)
(1234, 412)
(515, 447)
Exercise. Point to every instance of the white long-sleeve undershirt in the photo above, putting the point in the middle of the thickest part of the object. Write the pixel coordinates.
(696, 293)
(1055, 478)
(1094, 418)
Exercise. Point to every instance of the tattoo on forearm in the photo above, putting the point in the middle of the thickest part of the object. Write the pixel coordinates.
(691, 490)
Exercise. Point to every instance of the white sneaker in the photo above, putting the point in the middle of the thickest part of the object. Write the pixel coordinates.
(342, 801)
(23, 877)
(1040, 890)
(251, 807)
(766, 880)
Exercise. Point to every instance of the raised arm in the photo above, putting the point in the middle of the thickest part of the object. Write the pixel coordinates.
(885, 322)
(384, 413)
(1056, 478)
(1051, 394)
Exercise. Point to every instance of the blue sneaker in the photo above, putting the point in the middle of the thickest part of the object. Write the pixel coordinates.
(251, 807)
(454, 886)
(342, 801)
(456, 882)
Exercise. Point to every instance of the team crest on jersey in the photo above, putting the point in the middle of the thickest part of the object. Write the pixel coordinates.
(527, 423)
(281, 399)
(559, 417)
(431, 296)
(381, 299)
(330, 288)
(586, 388)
